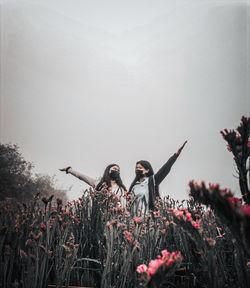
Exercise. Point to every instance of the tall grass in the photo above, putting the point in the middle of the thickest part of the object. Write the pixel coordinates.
(97, 243)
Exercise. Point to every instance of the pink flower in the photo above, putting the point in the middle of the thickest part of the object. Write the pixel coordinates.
(42, 225)
(179, 213)
(196, 225)
(127, 234)
(173, 254)
(189, 216)
(191, 183)
(244, 119)
(165, 254)
(246, 210)
(142, 269)
(233, 200)
(170, 262)
(156, 214)
(217, 186)
(129, 239)
(154, 265)
(222, 133)
(166, 260)
(138, 219)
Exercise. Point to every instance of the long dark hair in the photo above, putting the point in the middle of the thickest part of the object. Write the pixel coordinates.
(145, 164)
(106, 179)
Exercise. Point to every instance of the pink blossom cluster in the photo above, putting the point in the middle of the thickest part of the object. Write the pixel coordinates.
(245, 209)
(235, 138)
(138, 219)
(211, 186)
(234, 200)
(128, 235)
(156, 214)
(165, 261)
(186, 215)
(226, 193)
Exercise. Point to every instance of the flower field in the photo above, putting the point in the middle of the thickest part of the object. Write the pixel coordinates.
(94, 242)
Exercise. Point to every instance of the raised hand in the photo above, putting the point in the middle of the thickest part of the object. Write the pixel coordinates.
(63, 169)
(180, 149)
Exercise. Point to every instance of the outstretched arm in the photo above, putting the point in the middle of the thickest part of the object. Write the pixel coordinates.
(180, 149)
(165, 169)
(90, 181)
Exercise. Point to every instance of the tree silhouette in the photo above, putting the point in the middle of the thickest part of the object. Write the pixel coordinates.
(17, 179)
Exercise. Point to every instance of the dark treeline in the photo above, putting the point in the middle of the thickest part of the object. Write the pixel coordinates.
(17, 179)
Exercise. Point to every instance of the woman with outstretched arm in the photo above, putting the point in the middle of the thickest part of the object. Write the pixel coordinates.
(145, 186)
(111, 178)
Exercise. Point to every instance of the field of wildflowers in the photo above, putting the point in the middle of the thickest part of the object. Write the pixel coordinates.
(94, 242)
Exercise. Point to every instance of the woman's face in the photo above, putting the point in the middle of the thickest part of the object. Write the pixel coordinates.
(140, 167)
(114, 168)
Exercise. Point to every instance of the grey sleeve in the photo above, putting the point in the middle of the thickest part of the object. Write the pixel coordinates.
(90, 181)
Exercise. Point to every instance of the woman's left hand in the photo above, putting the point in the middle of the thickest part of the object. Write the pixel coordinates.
(180, 149)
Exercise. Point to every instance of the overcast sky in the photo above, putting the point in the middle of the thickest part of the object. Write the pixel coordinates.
(87, 83)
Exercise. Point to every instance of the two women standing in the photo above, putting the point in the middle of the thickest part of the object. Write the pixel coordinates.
(145, 186)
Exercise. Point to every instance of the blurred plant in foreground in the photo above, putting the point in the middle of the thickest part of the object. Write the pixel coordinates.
(239, 144)
(155, 274)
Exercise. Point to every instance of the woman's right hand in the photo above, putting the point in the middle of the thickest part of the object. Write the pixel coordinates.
(63, 169)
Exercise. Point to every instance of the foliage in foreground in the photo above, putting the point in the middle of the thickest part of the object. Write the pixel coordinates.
(93, 242)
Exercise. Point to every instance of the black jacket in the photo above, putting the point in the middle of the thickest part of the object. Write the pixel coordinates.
(155, 180)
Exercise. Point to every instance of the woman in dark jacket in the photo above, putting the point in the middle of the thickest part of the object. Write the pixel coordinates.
(145, 187)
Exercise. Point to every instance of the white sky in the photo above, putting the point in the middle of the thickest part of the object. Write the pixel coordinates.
(89, 83)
